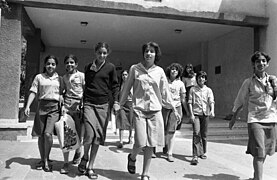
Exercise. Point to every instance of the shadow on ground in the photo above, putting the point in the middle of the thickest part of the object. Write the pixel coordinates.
(213, 177)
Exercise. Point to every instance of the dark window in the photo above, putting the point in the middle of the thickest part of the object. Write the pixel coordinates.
(217, 70)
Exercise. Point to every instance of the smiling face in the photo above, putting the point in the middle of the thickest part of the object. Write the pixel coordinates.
(124, 75)
(149, 55)
(173, 73)
(50, 66)
(101, 54)
(260, 64)
(70, 65)
(201, 80)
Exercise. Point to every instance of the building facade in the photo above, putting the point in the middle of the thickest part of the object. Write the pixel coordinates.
(217, 36)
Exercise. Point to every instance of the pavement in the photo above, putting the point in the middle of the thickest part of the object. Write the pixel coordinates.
(226, 161)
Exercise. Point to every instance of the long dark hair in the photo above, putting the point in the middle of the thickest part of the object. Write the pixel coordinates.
(188, 74)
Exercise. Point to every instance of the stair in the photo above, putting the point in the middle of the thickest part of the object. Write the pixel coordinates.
(218, 130)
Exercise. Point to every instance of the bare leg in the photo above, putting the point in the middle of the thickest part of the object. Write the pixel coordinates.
(147, 159)
(130, 136)
(121, 134)
(93, 153)
(47, 148)
(170, 142)
(41, 147)
(258, 168)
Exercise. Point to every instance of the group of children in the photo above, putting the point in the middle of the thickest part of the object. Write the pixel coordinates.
(149, 99)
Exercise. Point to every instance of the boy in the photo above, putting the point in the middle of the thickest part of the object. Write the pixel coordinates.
(201, 107)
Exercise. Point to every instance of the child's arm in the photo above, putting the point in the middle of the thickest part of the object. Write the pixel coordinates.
(29, 102)
(234, 118)
(192, 117)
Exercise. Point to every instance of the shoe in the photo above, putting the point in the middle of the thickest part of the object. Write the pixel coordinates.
(194, 161)
(65, 168)
(82, 167)
(76, 158)
(203, 156)
(170, 158)
(154, 155)
(131, 166)
(91, 174)
(47, 167)
(165, 149)
(120, 145)
(145, 177)
(40, 165)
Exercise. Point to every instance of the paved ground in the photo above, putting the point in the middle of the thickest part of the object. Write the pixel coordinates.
(225, 162)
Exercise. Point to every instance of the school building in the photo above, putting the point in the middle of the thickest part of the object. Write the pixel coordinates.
(217, 36)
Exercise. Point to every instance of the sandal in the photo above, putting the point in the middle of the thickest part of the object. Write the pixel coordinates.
(82, 167)
(145, 177)
(40, 165)
(47, 167)
(131, 165)
(91, 174)
(76, 158)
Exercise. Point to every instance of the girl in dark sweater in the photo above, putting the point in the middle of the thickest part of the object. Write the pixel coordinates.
(100, 80)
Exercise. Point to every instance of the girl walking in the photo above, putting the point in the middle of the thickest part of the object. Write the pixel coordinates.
(100, 80)
(178, 93)
(74, 82)
(150, 89)
(124, 119)
(259, 92)
(46, 86)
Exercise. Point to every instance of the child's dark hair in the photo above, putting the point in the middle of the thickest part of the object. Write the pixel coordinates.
(47, 58)
(258, 54)
(71, 56)
(121, 79)
(178, 67)
(200, 74)
(157, 50)
(102, 45)
(188, 74)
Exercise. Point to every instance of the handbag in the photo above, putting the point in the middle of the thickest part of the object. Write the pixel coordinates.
(67, 133)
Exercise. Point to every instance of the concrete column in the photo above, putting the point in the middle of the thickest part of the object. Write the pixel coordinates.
(32, 63)
(269, 37)
(10, 58)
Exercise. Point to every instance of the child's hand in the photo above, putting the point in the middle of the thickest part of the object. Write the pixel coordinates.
(116, 107)
(232, 122)
(212, 115)
(178, 117)
(192, 118)
(27, 111)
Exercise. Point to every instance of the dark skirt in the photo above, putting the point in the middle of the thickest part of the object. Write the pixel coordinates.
(170, 121)
(47, 114)
(262, 139)
(124, 117)
(96, 118)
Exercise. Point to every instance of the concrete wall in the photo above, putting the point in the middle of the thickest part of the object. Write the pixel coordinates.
(232, 52)
(246, 7)
(10, 58)
(269, 43)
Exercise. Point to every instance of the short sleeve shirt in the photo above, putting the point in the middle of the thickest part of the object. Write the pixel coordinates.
(47, 88)
(176, 88)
